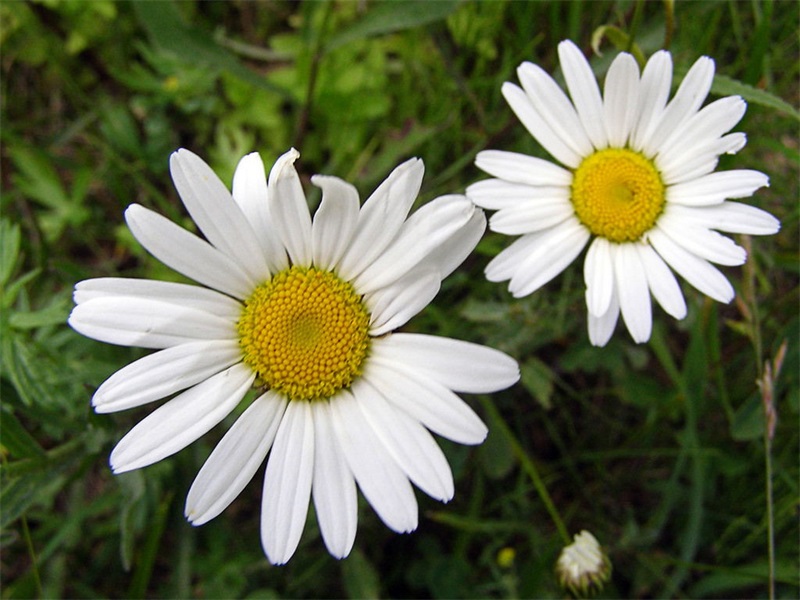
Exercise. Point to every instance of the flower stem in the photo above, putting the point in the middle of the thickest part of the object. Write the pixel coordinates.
(528, 466)
(767, 374)
(770, 515)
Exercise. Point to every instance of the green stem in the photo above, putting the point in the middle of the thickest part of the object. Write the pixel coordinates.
(770, 515)
(669, 27)
(529, 467)
(26, 533)
(765, 379)
(634, 28)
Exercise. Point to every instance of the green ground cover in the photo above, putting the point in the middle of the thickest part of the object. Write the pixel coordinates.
(658, 449)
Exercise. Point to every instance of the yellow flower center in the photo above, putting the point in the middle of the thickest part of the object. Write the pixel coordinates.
(618, 194)
(305, 333)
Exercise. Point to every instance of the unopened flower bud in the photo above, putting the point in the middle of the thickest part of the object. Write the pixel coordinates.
(583, 567)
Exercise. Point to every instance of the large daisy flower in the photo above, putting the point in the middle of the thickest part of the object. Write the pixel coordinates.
(304, 311)
(636, 178)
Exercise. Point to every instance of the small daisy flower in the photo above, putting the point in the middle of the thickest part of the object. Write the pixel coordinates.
(635, 182)
(303, 309)
(583, 567)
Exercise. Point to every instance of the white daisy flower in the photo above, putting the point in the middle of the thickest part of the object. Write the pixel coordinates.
(303, 310)
(636, 178)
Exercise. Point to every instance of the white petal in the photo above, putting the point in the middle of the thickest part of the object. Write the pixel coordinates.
(182, 420)
(446, 257)
(716, 187)
(708, 124)
(520, 168)
(530, 217)
(216, 214)
(506, 264)
(235, 460)
(538, 127)
(289, 209)
(381, 217)
(698, 272)
(702, 242)
(634, 293)
(163, 373)
(457, 365)
(333, 488)
(557, 248)
(409, 443)
(392, 306)
(733, 217)
(554, 107)
(598, 273)
(621, 99)
(427, 229)
(428, 401)
(147, 323)
(188, 254)
(249, 190)
(654, 89)
(496, 194)
(600, 328)
(334, 221)
(690, 95)
(699, 160)
(287, 483)
(380, 479)
(584, 92)
(180, 294)
(662, 282)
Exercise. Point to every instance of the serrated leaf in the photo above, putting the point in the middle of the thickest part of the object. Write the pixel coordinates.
(391, 16)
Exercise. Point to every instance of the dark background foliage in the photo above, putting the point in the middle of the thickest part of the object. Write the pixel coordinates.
(658, 449)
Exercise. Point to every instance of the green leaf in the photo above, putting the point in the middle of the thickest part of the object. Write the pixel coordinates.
(166, 28)
(359, 576)
(496, 454)
(17, 495)
(725, 86)
(15, 439)
(9, 293)
(391, 16)
(55, 314)
(10, 240)
(37, 178)
(27, 372)
(132, 487)
(748, 421)
(537, 378)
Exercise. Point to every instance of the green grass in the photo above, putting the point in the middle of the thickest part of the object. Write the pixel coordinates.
(658, 449)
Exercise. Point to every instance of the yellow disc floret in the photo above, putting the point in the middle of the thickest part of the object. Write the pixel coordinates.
(617, 194)
(305, 333)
